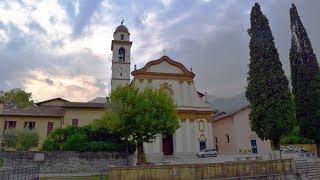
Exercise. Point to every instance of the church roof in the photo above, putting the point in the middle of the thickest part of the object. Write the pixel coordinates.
(122, 28)
(224, 115)
(185, 72)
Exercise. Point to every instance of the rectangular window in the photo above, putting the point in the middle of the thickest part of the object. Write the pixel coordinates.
(29, 125)
(122, 36)
(9, 124)
(74, 122)
(49, 128)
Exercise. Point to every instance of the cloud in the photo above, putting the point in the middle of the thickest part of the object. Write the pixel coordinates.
(80, 13)
(56, 48)
(49, 81)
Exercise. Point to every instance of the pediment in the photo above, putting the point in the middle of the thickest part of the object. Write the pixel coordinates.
(164, 66)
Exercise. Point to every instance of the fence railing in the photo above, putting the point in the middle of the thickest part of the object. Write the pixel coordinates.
(30, 173)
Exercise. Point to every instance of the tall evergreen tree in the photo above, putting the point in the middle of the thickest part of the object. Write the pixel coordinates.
(305, 75)
(272, 109)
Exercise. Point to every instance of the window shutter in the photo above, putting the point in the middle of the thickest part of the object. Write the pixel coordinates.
(49, 128)
(74, 122)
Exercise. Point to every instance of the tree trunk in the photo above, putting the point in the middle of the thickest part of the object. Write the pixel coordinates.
(318, 148)
(276, 144)
(141, 159)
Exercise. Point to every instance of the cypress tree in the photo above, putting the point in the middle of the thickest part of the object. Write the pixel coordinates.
(305, 80)
(271, 114)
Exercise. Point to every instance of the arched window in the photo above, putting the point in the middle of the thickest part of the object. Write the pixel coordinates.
(228, 138)
(122, 54)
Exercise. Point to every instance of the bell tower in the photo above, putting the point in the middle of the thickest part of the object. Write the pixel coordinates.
(121, 57)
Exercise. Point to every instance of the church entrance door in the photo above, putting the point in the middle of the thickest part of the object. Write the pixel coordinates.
(167, 145)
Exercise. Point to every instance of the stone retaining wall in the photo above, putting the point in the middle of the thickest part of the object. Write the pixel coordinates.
(64, 161)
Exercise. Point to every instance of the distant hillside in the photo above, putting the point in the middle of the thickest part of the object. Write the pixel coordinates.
(217, 103)
(228, 104)
(98, 100)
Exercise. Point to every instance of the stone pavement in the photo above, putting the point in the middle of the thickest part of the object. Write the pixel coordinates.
(219, 159)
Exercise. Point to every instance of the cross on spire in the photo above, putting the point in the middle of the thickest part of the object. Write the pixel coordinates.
(122, 20)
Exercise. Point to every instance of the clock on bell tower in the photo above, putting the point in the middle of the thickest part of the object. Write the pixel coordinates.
(120, 46)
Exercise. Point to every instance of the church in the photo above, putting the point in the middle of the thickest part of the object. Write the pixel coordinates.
(195, 114)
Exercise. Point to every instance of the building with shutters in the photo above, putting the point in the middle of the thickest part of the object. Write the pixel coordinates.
(48, 115)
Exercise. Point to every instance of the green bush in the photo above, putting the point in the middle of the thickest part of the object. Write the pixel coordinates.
(1, 162)
(50, 145)
(10, 138)
(87, 138)
(27, 139)
(104, 146)
(76, 142)
(295, 138)
(22, 140)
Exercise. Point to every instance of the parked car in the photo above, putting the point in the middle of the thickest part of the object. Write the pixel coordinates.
(212, 152)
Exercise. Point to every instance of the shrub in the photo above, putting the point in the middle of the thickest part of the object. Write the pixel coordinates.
(86, 138)
(76, 142)
(27, 139)
(10, 138)
(104, 146)
(22, 140)
(50, 145)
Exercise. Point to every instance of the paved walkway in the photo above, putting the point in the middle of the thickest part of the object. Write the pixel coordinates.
(220, 158)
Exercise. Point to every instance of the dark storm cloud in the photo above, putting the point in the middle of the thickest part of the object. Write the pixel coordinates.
(17, 39)
(49, 81)
(213, 39)
(86, 10)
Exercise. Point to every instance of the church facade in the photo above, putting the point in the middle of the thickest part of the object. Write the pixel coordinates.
(195, 114)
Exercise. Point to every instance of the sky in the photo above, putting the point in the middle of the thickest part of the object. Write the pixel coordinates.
(62, 48)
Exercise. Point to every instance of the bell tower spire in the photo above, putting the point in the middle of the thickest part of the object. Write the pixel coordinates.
(121, 56)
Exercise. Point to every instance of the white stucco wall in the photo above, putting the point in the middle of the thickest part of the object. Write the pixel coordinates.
(164, 67)
(237, 126)
(187, 137)
(184, 94)
(244, 132)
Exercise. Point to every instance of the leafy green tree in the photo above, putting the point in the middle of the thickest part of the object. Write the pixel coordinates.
(272, 110)
(18, 97)
(140, 115)
(305, 77)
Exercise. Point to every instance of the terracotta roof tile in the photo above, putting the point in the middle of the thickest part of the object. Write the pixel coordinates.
(43, 111)
(84, 105)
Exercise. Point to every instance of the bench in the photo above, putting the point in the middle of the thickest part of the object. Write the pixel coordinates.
(239, 158)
